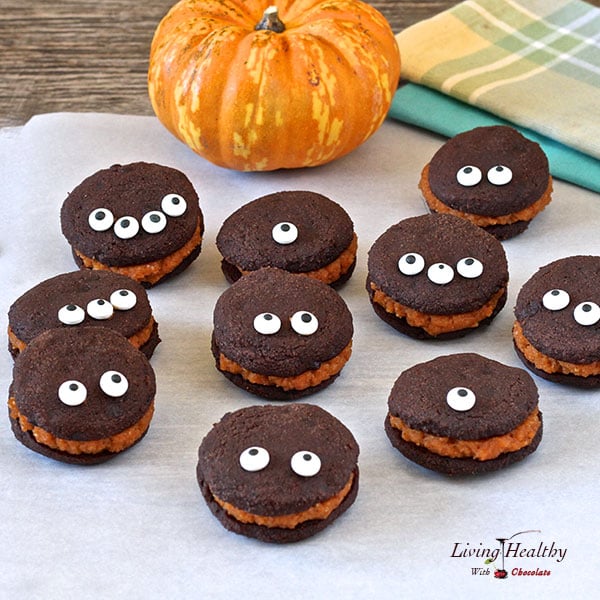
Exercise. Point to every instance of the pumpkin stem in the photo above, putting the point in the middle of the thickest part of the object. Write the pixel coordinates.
(271, 21)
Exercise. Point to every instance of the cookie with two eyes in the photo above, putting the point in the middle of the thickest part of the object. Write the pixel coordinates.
(298, 231)
(464, 414)
(81, 395)
(556, 331)
(142, 220)
(437, 276)
(493, 176)
(84, 298)
(278, 473)
(281, 335)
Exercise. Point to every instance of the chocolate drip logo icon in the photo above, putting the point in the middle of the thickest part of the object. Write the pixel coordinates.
(502, 573)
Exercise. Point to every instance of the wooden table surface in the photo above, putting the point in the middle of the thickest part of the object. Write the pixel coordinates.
(90, 55)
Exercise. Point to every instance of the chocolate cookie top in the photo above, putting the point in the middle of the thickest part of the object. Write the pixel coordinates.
(463, 396)
(82, 384)
(278, 323)
(131, 214)
(438, 264)
(277, 460)
(559, 309)
(298, 231)
(490, 171)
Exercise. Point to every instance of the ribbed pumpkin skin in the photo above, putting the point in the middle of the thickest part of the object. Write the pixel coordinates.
(259, 100)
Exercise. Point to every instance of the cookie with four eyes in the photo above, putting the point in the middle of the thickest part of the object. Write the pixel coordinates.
(281, 335)
(437, 276)
(79, 298)
(492, 176)
(81, 395)
(464, 414)
(557, 321)
(298, 231)
(278, 473)
(142, 220)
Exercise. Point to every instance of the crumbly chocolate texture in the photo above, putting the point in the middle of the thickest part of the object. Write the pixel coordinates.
(277, 490)
(486, 148)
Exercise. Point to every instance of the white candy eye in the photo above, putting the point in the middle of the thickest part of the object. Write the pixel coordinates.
(100, 309)
(305, 463)
(71, 314)
(114, 384)
(254, 459)
(460, 399)
(72, 393)
(587, 313)
(285, 233)
(469, 267)
(440, 273)
(267, 323)
(101, 219)
(123, 299)
(556, 300)
(468, 176)
(411, 264)
(126, 228)
(154, 221)
(173, 205)
(304, 323)
(499, 175)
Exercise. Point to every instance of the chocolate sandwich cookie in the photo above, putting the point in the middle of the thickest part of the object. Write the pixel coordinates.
(278, 473)
(142, 220)
(81, 395)
(298, 231)
(492, 176)
(464, 414)
(281, 335)
(84, 297)
(557, 327)
(437, 276)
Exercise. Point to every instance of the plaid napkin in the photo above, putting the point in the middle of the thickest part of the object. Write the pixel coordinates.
(533, 63)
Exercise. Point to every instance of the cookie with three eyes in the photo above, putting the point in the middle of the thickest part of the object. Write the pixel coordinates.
(298, 231)
(556, 331)
(81, 395)
(278, 473)
(281, 335)
(493, 176)
(437, 276)
(464, 414)
(142, 220)
(82, 298)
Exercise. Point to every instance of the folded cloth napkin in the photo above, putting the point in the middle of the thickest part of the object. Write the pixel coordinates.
(532, 63)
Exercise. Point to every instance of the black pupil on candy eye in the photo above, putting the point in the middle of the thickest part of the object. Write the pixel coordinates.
(100, 215)
(116, 379)
(307, 457)
(499, 169)
(125, 223)
(123, 293)
(411, 259)
(468, 170)
(469, 261)
(306, 318)
(253, 452)
(285, 227)
(555, 292)
(100, 302)
(71, 307)
(268, 317)
(586, 308)
(462, 392)
(154, 218)
(73, 387)
(175, 200)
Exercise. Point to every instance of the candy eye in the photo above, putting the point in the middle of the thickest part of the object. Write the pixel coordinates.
(305, 463)
(499, 175)
(101, 219)
(123, 299)
(440, 273)
(411, 264)
(173, 205)
(72, 393)
(100, 309)
(267, 323)
(285, 233)
(126, 228)
(460, 399)
(154, 221)
(254, 459)
(468, 176)
(469, 267)
(114, 384)
(71, 314)
(587, 313)
(556, 299)
(304, 323)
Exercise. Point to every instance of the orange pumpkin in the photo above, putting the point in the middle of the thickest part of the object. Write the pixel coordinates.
(255, 87)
